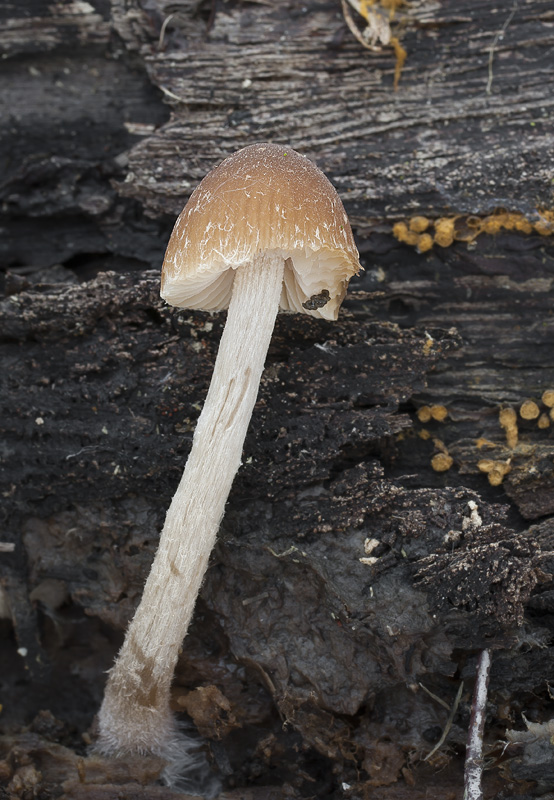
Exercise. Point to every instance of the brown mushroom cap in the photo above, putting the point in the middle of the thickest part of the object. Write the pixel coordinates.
(265, 197)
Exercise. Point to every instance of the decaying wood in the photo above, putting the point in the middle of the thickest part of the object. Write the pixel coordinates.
(386, 525)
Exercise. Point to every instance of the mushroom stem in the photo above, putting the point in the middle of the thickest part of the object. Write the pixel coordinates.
(135, 714)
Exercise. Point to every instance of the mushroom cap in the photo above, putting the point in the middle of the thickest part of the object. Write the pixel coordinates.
(264, 198)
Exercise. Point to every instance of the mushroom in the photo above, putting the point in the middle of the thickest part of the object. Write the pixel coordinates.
(264, 229)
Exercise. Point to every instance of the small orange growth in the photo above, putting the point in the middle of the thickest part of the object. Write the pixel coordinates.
(424, 434)
(422, 241)
(401, 232)
(424, 414)
(419, 224)
(492, 224)
(439, 413)
(441, 462)
(495, 470)
(544, 421)
(496, 476)
(529, 410)
(523, 225)
(548, 398)
(545, 225)
(507, 417)
(440, 446)
(446, 231)
(508, 221)
(425, 243)
(508, 420)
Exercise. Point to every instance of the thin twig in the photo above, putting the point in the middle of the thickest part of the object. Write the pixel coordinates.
(435, 697)
(473, 770)
(171, 94)
(449, 722)
(499, 35)
(165, 23)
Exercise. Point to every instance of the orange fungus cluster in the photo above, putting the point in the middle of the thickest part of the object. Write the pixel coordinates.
(422, 232)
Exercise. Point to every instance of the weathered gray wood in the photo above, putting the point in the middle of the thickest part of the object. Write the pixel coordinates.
(468, 130)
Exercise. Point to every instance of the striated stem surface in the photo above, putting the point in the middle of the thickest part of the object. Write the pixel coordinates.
(135, 714)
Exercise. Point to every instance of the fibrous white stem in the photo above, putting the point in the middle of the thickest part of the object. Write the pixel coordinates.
(135, 715)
